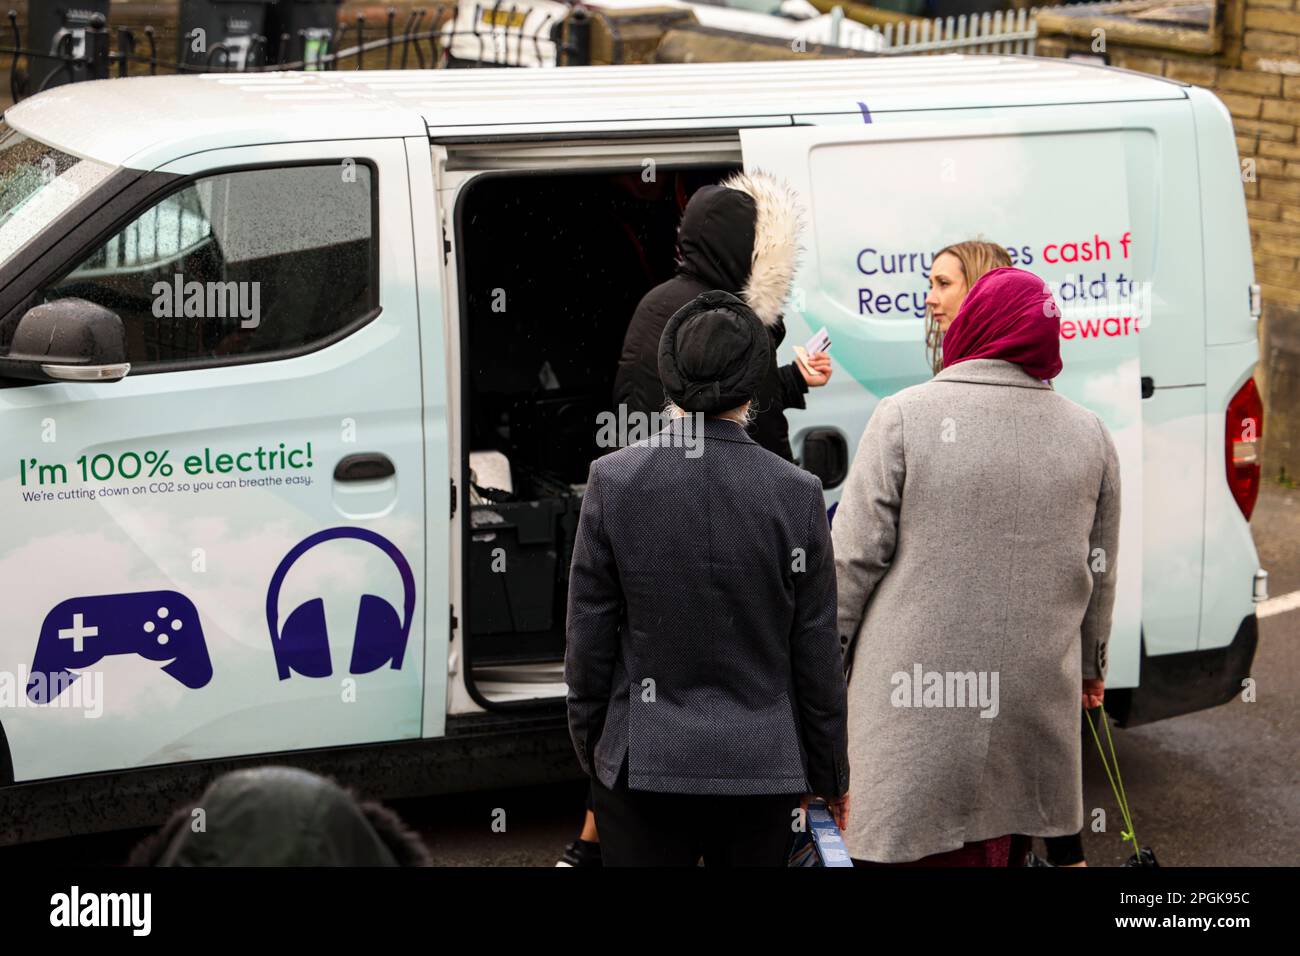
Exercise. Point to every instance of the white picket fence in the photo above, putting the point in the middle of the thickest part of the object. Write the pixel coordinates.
(1009, 31)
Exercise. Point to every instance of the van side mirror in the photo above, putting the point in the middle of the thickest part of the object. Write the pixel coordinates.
(825, 453)
(67, 340)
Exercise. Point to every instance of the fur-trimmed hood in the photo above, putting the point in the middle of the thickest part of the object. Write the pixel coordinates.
(742, 237)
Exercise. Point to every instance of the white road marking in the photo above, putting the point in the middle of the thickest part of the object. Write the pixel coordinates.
(1279, 605)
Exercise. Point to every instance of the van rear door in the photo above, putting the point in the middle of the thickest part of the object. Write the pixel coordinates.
(883, 197)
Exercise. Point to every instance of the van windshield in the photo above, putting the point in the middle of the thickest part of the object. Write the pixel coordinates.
(38, 183)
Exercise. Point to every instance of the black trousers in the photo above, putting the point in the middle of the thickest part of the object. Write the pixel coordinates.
(640, 828)
(1065, 850)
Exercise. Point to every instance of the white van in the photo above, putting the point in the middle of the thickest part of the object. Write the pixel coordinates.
(254, 331)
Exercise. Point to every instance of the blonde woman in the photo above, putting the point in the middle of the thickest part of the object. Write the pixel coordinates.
(956, 268)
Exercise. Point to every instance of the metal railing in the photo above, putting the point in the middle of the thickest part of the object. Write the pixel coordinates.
(1010, 31)
(497, 34)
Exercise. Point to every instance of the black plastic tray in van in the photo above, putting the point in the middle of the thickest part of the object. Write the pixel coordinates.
(514, 557)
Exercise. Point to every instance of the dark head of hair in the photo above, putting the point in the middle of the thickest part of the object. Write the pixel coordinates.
(281, 816)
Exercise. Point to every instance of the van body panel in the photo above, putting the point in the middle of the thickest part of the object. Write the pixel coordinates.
(1158, 138)
(426, 229)
(668, 94)
(1173, 451)
(176, 115)
(866, 286)
(1229, 268)
(459, 700)
(220, 549)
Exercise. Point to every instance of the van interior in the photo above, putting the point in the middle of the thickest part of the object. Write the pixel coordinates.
(552, 268)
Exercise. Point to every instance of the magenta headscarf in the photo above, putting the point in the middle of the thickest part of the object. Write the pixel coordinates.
(1008, 314)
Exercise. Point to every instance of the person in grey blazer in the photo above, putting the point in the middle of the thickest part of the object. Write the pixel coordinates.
(706, 692)
(976, 545)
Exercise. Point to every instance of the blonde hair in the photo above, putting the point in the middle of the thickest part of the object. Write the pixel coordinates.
(976, 257)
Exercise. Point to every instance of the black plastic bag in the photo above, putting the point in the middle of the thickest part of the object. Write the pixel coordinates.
(1145, 858)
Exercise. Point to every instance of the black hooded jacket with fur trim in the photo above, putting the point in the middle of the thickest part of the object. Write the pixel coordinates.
(740, 237)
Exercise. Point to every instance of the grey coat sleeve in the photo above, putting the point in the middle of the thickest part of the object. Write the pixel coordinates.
(866, 522)
(1103, 552)
(592, 631)
(815, 660)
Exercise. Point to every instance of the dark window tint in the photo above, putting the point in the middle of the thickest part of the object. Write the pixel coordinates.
(239, 264)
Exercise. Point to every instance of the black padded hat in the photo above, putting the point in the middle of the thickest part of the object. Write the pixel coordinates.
(714, 354)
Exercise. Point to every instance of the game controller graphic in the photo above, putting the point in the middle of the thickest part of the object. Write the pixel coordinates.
(82, 631)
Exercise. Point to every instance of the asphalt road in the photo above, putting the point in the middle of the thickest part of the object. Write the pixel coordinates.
(1215, 788)
(1222, 787)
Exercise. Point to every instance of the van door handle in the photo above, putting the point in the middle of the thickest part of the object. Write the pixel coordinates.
(1148, 386)
(365, 467)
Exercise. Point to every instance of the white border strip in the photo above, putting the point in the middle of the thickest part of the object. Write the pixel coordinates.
(1279, 605)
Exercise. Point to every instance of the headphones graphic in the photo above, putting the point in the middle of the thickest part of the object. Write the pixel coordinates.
(302, 645)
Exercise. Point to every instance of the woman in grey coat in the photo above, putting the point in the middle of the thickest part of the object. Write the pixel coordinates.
(975, 549)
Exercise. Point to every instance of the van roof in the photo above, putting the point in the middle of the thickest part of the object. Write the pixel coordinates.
(146, 121)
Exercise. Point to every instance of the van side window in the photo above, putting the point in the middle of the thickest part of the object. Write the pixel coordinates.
(240, 264)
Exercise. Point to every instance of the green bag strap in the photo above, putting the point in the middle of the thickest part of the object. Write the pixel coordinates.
(1116, 781)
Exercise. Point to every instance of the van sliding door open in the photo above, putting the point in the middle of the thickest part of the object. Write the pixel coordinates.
(548, 265)
(882, 198)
